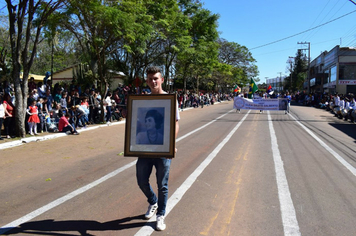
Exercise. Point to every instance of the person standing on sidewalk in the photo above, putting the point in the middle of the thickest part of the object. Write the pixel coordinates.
(33, 118)
(9, 122)
(2, 114)
(91, 107)
(144, 166)
(108, 108)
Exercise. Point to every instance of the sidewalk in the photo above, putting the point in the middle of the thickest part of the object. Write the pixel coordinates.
(47, 136)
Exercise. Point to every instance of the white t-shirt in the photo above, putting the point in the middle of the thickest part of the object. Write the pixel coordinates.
(177, 108)
(108, 101)
(2, 111)
(336, 100)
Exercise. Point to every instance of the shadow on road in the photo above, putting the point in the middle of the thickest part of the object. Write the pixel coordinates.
(52, 227)
(348, 129)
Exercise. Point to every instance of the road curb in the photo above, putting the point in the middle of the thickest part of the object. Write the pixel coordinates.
(57, 135)
(51, 136)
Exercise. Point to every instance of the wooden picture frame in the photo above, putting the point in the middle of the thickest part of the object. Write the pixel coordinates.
(151, 126)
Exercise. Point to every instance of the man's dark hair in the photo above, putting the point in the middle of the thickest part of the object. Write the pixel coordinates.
(153, 70)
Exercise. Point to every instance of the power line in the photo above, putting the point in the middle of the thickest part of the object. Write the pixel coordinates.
(304, 31)
(336, 3)
(353, 2)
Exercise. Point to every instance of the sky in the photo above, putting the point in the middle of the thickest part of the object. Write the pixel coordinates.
(257, 24)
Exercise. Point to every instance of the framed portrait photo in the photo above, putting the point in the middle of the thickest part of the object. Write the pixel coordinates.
(150, 125)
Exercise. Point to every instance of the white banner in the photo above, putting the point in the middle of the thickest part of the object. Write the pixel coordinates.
(352, 82)
(276, 104)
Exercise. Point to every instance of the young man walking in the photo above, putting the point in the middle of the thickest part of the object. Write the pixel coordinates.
(144, 166)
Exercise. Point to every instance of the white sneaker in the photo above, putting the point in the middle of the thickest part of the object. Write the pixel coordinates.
(151, 210)
(160, 223)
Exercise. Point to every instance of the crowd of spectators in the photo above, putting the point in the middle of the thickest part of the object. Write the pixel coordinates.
(81, 107)
(68, 107)
(186, 100)
(342, 105)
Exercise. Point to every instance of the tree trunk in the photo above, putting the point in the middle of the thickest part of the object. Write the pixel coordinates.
(21, 91)
(197, 89)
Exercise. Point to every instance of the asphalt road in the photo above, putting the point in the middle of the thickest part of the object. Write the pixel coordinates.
(234, 174)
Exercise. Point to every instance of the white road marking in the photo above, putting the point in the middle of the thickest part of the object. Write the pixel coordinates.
(178, 194)
(329, 149)
(289, 218)
(79, 191)
(202, 127)
(61, 200)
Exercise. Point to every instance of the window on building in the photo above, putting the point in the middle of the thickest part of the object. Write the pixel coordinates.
(347, 72)
(326, 78)
(333, 74)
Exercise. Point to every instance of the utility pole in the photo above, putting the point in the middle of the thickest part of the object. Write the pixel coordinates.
(308, 79)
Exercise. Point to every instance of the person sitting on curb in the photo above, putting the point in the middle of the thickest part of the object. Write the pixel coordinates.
(64, 125)
(80, 115)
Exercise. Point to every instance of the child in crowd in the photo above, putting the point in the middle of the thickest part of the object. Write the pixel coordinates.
(85, 103)
(64, 125)
(63, 101)
(116, 113)
(33, 119)
(41, 113)
(81, 118)
(55, 112)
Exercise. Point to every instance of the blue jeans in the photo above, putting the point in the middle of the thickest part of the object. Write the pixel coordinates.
(108, 113)
(144, 168)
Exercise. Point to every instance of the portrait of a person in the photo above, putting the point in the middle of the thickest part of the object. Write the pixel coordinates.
(153, 134)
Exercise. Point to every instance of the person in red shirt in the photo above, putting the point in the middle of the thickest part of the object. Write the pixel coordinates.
(33, 119)
(64, 125)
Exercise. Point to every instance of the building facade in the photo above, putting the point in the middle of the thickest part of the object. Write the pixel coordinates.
(333, 71)
(276, 83)
(66, 75)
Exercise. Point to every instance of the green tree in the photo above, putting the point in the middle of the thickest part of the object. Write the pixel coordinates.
(26, 21)
(55, 54)
(174, 38)
(4, 49)
(131, 54)
(195, 64)
(241, 61)
(299, 71)
(161, 35)
(99, 26)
